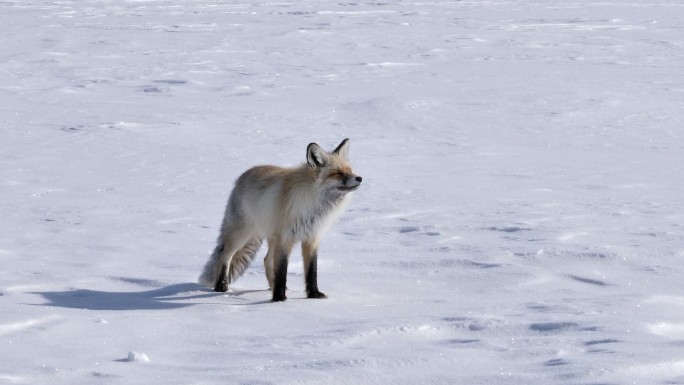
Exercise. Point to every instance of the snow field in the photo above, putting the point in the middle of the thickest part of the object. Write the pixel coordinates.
(519, 222)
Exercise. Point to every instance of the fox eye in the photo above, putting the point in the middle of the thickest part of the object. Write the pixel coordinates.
(337, 175)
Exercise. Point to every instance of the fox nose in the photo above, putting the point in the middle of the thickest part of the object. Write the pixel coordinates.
(359, 179)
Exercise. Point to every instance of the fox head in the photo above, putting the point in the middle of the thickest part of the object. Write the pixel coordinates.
(332, 168)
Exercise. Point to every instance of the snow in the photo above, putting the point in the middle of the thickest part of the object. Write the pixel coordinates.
(519, 222)
(136, 357)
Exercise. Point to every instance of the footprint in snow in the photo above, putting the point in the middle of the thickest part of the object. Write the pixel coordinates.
(73, 128)
(461, 341)
(555, 362)
(601, 342)
(558, 327)
(415, 229)
(546, 327)
(507, 229)
(597, 346)
(587, 280)
(152, 89)
(170, 81)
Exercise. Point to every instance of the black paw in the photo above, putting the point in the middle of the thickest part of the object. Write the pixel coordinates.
(279, 298)
(221, 286)
(316, 294)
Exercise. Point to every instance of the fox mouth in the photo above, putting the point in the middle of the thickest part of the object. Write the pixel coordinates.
(347, 188)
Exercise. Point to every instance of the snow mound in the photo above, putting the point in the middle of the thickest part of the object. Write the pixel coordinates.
(137, 357)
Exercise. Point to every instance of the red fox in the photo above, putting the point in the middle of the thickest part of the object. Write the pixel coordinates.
(284, 206)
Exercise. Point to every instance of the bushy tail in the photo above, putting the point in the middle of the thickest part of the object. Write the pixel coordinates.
(242, 259)
(238, 264)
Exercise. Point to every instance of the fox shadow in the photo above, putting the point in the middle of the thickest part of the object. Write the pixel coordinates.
(164, 298)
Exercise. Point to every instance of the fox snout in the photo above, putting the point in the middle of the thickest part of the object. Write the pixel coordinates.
(351, 182)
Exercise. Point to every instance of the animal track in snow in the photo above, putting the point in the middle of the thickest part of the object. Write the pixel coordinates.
(421, 230)
(170, 81)
(601, 342)
(589, 281)
(596, 346)
(555, 362)
(461, 341)
(508, 229)
(558, 327)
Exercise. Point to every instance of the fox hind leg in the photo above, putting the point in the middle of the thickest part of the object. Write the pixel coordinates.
(238, 263)
(268, 262)
(214, 268)
(221, 285)
(228, 271)
(217, 267)
(282, 255)
(216, 271)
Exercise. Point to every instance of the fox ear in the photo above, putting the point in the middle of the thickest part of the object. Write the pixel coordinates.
(316, 156)
(343, 149)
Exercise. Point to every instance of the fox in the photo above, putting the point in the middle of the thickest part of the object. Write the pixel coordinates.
(285, 206)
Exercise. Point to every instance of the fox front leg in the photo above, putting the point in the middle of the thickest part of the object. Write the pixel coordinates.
(310, 254)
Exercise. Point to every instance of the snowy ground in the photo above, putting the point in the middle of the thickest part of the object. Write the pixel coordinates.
(521, 219)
